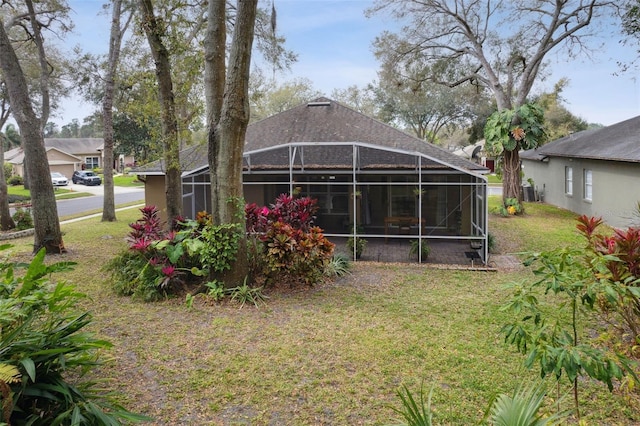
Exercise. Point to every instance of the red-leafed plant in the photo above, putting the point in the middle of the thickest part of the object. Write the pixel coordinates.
(293, 249)
(616, 265)
(299, 213)
(146, 229)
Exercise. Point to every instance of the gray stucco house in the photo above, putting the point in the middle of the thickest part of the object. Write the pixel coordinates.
(593, 172)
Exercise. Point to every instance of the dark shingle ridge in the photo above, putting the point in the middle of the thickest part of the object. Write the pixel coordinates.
(329, 121)
(617, 142)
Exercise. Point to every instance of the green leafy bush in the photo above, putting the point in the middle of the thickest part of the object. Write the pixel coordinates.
(216, 247)
(15, 180)
(511, 207)
(8, 170)
(22, 218)
(159, 263)
(42, 336)
(16, 198)
(600, 278)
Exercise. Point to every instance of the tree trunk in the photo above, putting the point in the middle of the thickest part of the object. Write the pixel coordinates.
(227, 132)
(171, 146)
(511, 176)
(45, 211)
(6, 222)
(214, 77)
(115, 38)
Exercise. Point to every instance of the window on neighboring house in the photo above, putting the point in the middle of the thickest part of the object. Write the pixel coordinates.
(588, 185)
(568, 180)
(91, 162)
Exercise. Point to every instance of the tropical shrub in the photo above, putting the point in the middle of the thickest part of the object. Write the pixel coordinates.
(43, 343)
(522, 408)
(215, 247)
(511, 207)
(159, 263)
(614, 260)
(294, 255)
(585, 282)
(293, 250)
(299, 213)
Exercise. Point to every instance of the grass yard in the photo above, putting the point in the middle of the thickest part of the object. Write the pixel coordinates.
(494, 179)
(127, 180)
(18, 190)
(334, 354)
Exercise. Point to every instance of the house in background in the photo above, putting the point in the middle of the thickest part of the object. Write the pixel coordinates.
(594, 172)
(65, 155)
(89, 150)
(365, 175)
(475, 152)
(59, 161)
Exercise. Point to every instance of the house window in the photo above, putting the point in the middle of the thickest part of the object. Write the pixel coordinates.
(568, 180)
(588, 184)
(91, 162)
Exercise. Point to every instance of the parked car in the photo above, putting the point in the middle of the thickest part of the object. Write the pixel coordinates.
(86, 177)
(58, 179)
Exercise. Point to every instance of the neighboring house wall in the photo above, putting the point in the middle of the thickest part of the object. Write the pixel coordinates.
(62, 162)
(17, 170)
(91, 160)
(154, 194)
(614, 194)
(65, 169)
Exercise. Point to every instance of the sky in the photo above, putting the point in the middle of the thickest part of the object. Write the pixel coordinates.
(333, 41)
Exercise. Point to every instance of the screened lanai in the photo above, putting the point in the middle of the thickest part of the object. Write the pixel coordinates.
(388, 196)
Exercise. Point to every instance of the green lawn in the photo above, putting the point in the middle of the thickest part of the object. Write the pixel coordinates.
(18, 190)
(127, 180)
(63, 193)
(334, 354)
(494, 179)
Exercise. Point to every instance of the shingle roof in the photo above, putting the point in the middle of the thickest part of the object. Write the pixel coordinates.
(326, 122)
(16, 155)
(75, 145)
(618, 142)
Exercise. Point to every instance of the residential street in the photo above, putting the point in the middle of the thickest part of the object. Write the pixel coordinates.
(86, 204)
(95, 202)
